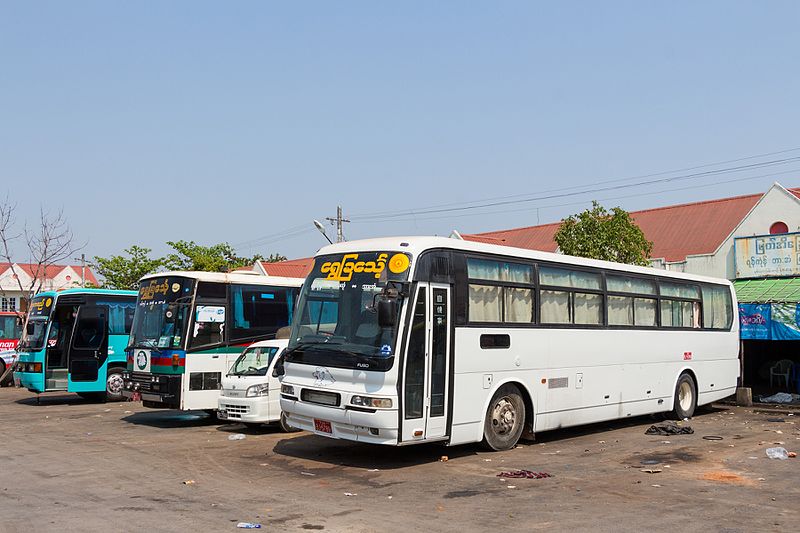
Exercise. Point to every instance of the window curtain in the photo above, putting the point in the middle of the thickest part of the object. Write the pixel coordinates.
(484, 303)
(588, 308)
(620, 310)
(645, 311)
(555, 307)
(518, 304)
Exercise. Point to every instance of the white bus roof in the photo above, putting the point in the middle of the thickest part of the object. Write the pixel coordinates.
(416, 245)
(231, 277)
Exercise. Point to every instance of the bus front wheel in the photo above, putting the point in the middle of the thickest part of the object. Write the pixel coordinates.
(285, 427)
(114, 385)
(685, 398)
(505, 419)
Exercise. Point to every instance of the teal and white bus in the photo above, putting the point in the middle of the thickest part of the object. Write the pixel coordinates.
(74, 341)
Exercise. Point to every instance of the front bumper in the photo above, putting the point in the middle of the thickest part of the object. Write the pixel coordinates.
(254, 409)
(33, 381)
(155, 390)
(378, 427)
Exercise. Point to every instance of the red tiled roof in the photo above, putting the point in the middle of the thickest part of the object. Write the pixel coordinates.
(51, 271)
(292, 268)
(676, 231)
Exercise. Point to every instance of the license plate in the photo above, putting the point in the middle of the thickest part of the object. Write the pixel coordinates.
(151, 397)
(323, 426)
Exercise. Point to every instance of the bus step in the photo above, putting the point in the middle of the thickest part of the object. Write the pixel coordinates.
(56, 373)
(56, 384)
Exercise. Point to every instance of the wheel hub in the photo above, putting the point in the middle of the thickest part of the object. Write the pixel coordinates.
(503, 416)
(114, 384)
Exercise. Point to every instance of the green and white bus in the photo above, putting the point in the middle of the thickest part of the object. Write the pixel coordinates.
(75, 341)
(189, 328)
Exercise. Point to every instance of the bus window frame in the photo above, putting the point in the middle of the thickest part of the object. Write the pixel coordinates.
(462, 281)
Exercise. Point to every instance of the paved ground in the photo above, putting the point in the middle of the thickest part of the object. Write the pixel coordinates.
(69, 465)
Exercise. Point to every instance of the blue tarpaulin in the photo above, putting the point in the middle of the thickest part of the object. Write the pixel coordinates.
(776, 321)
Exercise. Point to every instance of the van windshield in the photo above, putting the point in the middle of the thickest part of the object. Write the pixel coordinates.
(254, 361)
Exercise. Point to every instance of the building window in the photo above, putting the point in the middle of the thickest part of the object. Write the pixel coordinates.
(778, 227)
(8, 304)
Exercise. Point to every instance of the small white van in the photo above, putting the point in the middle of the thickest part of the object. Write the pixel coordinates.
(250, 393)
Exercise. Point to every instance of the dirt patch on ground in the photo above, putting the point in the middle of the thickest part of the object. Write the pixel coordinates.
(723, 476)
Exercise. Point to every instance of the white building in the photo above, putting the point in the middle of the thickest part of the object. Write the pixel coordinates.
(54, 277)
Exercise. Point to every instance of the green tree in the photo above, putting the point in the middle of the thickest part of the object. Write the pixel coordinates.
(600, 234)
(216, 258)
(124, 272)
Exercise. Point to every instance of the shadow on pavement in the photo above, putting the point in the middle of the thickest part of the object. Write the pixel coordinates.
(367, 456)
(170, 418)
(54, 399)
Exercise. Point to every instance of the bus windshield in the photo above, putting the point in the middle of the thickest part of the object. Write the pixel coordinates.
(337, 323)
(162, 311)
(38, 316)
(254, 361)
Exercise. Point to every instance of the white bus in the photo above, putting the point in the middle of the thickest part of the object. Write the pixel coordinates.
(406, 340)
(189, 328)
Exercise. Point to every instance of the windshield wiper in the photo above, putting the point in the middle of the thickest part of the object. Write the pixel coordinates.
(150, 344)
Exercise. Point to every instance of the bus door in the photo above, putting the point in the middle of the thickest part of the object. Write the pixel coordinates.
(425, 376)
(89, 347)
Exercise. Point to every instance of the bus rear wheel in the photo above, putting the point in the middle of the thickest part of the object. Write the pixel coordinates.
(505, 419)
(685, 398)
(114, 385)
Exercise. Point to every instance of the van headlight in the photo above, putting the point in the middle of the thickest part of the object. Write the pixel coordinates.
(369, 401)
(287, 389)
(262, 389)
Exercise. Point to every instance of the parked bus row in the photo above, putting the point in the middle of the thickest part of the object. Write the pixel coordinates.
(399, 341)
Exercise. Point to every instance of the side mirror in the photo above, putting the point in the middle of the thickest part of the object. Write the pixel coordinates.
(278, 370)
(29, 328)
(387, 312)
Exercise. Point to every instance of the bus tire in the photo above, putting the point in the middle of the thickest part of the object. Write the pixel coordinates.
(114, 384)
(5, 381)
(685, 401)
(505, 419)
(285, 427)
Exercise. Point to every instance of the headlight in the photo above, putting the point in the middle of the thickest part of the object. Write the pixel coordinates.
(287, 389)
(262, 389)
(368, 401)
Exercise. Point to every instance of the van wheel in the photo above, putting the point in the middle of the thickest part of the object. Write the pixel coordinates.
(114, 385)
(505, 419)
(285, 425)
(685, 398)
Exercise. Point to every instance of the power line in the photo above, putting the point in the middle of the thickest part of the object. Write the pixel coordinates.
(741, 168)
(303, 228)
(548, 206)
(602, 182)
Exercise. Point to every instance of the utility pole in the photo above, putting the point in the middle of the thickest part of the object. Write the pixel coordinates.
(338, 222)
(83, 269)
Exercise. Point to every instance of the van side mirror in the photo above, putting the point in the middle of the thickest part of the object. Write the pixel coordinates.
(278, 370)
(387, 312)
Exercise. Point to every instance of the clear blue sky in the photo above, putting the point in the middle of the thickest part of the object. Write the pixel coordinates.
(234, 121)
